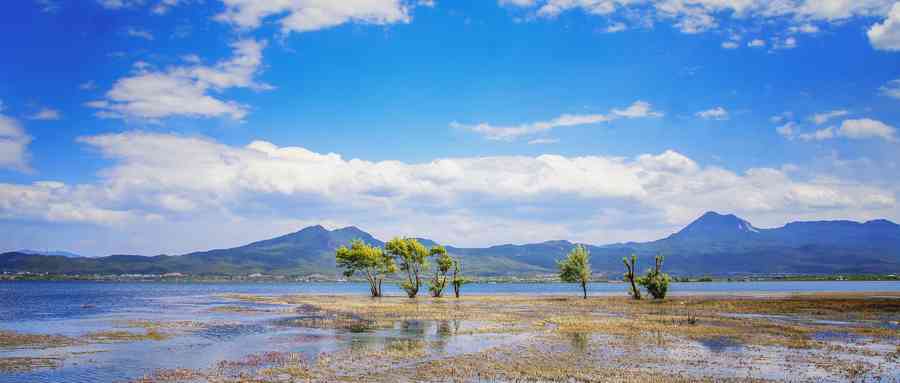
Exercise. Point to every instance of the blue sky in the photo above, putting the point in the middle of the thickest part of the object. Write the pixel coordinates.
(164, 126)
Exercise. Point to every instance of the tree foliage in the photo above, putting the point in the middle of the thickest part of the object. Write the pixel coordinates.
(443, 263)
(411, 257)
(629, 276)
(576, 268)
(458, 280)
(655, 281)
(371, 261)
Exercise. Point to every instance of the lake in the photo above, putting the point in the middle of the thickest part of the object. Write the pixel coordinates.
(74, 309)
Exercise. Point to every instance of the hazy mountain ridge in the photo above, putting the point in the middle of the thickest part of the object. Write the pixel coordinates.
(712, 244)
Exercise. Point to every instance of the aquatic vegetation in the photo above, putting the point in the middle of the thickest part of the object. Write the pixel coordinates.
(15, 340)
(125, 336)
(25, 364)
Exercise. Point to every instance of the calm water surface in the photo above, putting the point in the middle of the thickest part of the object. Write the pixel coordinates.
(77, 308)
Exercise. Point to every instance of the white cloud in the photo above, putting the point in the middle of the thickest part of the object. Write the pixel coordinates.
(858, 129)
(698, 16)
(730, 45)
(787, 130)
(785, 43)
(312, 15)
(119, 4)
(866, 128)
(185, 91)
(804, 28)
(818, 135)
(779, 118)
(89, 85)
(891, 89)
(139, 33)
(46, 114)
(821, 118)
(161, 180)
(717, 113)
(638, 109)
(886, 35)
(163, 6)
(13, 145)
(616, 27)
(756, 43)
(543, 141)
(48, 6)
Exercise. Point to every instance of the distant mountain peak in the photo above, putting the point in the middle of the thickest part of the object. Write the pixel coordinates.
(719, 225)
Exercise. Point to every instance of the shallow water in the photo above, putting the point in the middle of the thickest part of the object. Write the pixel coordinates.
(211, 329)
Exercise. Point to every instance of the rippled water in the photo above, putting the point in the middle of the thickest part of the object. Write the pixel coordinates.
(77, 308)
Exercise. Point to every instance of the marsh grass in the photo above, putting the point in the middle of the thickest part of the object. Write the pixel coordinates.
(126, 336)
(15, 340)
(24, 364)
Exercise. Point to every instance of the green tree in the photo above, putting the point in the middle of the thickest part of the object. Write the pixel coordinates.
(629, 276)
(412, 258)
(442, 265)
(458, 280)
(576, 268)
(368, 260)
(655, 281)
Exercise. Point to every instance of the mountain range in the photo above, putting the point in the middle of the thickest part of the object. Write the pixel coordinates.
(714, 244)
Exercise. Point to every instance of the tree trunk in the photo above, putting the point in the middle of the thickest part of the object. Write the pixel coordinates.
(584, 287)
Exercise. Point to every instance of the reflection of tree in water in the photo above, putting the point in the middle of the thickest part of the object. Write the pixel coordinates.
(435, 333)
(414, 328)
(445, 328)
(362, 342)
(579, 341)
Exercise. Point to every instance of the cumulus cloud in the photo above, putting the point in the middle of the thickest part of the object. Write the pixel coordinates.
(886, 35)
(638, 109)
(866, 128)
(312, 15)
(858, 129)
(821, 118)
(46, 114)
(163, 180)
(717, 113)
(185, 90)
(13, 144)
(730, 45)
